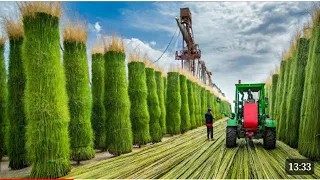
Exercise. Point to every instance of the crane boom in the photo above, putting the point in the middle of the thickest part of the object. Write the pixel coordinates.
(183, 30)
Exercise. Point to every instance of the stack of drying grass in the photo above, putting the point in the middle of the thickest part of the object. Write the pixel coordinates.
(197, 102)
(226, 109)
(214, 106)
(203, 103)
(209, 97)
(98, 119)
(138, 93)
(46, 101)
(16, 84)
(279, 92)
(284, 100)
(296, 89)
(217, 105)
(160, 81)
(200, 111)
(153, 103)
(80, 103)
(309, 139)
(165, 90)
(184, 111)
(268, 92)
(274, 86)
(3, 101)
(191, 101)
(173, 104)
(116, 99)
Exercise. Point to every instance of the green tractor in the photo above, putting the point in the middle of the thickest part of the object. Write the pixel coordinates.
(249, 119)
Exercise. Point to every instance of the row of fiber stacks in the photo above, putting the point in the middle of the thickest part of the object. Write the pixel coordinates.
(294, 101)
(50, 115)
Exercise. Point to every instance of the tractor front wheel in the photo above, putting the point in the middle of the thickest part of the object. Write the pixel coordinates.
(269, 139)
(231, 137)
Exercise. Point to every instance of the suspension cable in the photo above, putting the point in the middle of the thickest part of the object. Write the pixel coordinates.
(167, 46)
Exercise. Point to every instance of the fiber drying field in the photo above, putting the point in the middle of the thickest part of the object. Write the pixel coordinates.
(191, 156)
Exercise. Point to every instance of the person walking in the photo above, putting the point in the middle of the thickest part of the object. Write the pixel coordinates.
(209, 124)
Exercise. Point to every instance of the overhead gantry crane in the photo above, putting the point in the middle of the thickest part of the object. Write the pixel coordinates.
(190, 55)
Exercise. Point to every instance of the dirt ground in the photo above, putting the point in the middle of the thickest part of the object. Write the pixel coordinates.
(6, 172)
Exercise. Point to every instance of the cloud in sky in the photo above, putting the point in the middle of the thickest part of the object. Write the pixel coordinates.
(97, 27)
(153, 43)
(238, 40)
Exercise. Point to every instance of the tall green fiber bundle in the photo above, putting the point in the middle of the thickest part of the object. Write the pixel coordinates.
(219, 110)
(77, 75)
(213, 106)
(209, 103)
(191, 101)
(160, 92)
(283, 104)
(309, 138)
(117, 103)
(98, 114)
(267, 95)
(306, 91)
(138, 93)
(173, 103)
(165, 91)
(204, 107)
(222, 106)
(272, 101)
(46, 101)
(307, 74)
(216, 110)
(198, 104)
(280, 88)
(184, 112)
(200, 112)
(295, 92)
(153, 106)
(16, 84)
(3, 103)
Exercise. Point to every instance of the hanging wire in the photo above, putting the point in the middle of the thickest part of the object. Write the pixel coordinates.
(167, 46)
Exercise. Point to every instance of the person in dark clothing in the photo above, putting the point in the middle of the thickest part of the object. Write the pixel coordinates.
(209, 123)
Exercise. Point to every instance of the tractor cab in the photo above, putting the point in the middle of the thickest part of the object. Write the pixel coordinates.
(250, 120)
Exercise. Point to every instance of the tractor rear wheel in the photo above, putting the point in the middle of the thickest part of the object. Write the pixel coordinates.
(269, 139)
(231, 137)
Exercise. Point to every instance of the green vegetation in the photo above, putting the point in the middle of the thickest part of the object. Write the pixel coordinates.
(191, 102)
(153, 106)
(173, 104)
(161, 94)
(309, 144)
(46, 101)
(197, 104)
(184, 112)
(209, 100)
(295, 92)
(116, 99)
(283, 103)
(3, 102)
(204, 107)
(98, 114)
(272, 101)
(138, 93)
(279, 93)
(80, 103)
(16, 85)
